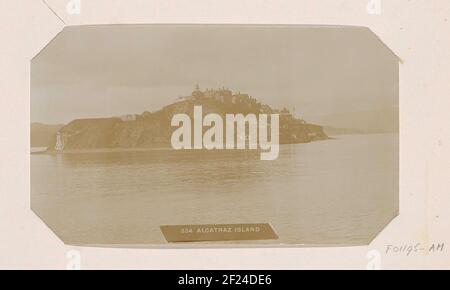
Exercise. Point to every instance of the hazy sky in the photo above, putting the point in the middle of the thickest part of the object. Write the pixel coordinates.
(110, 70)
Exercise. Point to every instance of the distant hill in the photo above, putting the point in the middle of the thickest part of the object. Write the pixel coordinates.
(42, 135)
(362, 122)
(332, 131)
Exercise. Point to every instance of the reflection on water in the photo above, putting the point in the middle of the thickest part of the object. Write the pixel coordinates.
(331, 192)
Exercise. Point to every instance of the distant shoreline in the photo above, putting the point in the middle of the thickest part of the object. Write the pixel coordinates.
(101, 150)
(111, 150)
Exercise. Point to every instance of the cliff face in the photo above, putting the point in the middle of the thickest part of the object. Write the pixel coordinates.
(153, 130)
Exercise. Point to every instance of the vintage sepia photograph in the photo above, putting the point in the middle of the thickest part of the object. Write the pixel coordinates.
(165, 135)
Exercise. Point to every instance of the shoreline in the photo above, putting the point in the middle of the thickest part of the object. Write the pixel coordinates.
(112, 150)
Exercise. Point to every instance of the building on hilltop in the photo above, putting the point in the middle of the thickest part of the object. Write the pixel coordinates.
(227, 97)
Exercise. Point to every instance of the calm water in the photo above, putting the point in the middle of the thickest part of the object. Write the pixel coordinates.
(330, 192)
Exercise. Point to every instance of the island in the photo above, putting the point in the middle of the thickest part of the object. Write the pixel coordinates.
(153, 129)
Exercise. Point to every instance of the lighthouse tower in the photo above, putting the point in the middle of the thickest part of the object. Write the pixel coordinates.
(59, 142)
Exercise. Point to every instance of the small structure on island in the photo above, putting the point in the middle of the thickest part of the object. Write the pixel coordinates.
(128, 118)
(59, 146)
